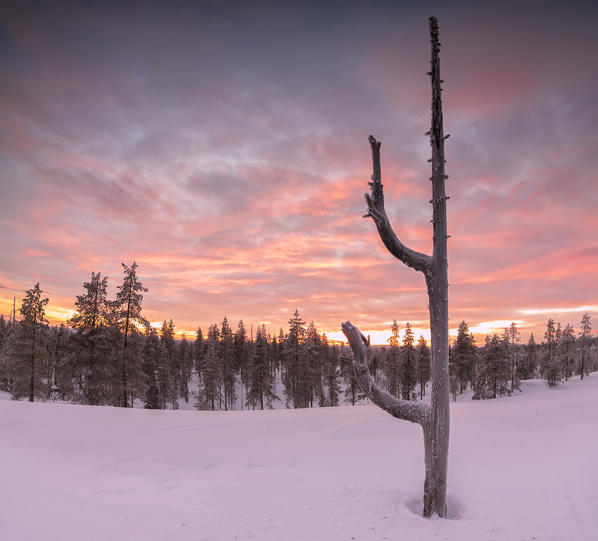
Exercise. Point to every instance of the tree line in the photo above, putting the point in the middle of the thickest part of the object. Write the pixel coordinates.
(107, 353)
(497, 368)
(491, 370)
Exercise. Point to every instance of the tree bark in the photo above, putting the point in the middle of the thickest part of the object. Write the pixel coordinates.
(434, 419)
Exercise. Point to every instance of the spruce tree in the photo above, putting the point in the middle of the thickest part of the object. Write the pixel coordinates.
(280, 352)
(526, 369)
(240, 348)
(4, 329)
(7, 362)
(377, 362)
(151, 368)
(90, 322)
(112, 356)
(168, 366)
(513, 336)
(584, 344)
(134, 358)
(24, 353)
(56, 353)
(128, 305)
(558, 336)
(294, 362)
(209, 394)
(332, 372)
(408, 366)
(4, 365)
(273, 357)
(393, 362)
(261, 381)
(28, 347)
(423, 366)
(351, 392)
(312, 386)
(567, 347)
(494, 371)
(198, 352)
(463, 357)
(453, 383)
(227, 361)
(185, 363)
(552, 372)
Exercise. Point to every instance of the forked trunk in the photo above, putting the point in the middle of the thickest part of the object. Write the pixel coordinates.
(435, 418)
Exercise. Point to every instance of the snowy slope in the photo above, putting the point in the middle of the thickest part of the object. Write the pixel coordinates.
(522, 468)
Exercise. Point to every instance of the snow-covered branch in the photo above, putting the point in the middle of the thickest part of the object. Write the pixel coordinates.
(415, 412)
(377, 212)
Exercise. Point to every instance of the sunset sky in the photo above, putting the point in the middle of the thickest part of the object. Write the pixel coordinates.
(223, 147)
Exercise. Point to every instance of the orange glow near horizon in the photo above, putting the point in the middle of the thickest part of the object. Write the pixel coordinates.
(379, 336)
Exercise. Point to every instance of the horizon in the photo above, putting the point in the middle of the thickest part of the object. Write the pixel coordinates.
(224, 149)
(379, 336)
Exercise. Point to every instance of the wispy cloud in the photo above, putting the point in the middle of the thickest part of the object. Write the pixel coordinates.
(560, 310)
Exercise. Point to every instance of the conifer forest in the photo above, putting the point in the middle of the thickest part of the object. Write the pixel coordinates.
(107, 353)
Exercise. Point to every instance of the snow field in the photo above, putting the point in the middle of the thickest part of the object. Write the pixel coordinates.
(521, 468)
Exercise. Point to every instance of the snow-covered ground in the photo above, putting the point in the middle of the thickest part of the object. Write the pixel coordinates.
(521, 468)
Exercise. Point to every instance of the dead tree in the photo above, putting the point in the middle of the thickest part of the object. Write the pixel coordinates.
(434, 419)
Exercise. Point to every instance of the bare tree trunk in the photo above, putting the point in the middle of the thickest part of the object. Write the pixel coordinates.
(434, 419)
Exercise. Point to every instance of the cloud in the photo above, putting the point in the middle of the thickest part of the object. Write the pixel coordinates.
(560, 310)
(225, 151)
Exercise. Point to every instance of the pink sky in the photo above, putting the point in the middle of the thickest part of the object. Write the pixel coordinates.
(224, 149)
